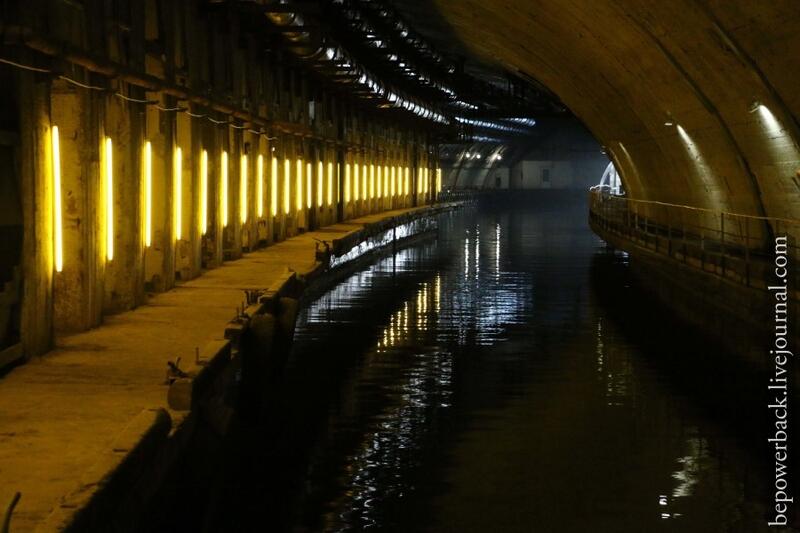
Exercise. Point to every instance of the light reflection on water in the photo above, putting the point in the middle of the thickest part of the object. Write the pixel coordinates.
(494, 380)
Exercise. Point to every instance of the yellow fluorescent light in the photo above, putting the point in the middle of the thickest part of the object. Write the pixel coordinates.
(386, 181)
(260, 186)
(438, 180)
(177, 172)
(407, 186)
(109, 182)
(203, 192)
(380, 189)
(243, 188)
(363, 182)
(58, 237)
(355, 182)
(287, 183)
(308, 185)
(147, 168)
(319, 184)
(394, 180)
(330, 183)
(299, 181)
(425, 181)
(346, 182)
(223, 185)
(372, 181)
(273, 191)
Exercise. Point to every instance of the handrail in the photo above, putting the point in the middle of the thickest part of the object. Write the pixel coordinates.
(705, 209)
(736, 246)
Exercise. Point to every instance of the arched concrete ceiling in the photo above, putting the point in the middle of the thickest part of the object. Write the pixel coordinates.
(626, 67)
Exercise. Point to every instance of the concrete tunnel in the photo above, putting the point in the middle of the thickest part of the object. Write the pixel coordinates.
(225, 162)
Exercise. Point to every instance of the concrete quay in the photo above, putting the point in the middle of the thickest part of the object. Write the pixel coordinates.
(92, 426)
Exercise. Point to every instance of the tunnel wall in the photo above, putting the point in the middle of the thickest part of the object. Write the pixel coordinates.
(126, 231)
(714, 304)
(695, 102)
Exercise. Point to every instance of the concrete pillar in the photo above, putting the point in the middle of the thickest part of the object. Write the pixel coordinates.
(250, 148)
(78, 288)
(122, 274)
(214, 237)
(260, 220)
(185, 259)
(159, 256)
(232, 238)
(283, 159)
(36, 192)
(201, 141)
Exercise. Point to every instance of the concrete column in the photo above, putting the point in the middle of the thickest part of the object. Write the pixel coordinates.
(199, 143)
(186, 263)
(280, 219)
(122, 273)
(249, 147)
(214, 234)
(78, 291)
(159, 256)
(235, 184)
(36, 193)
(231, 242)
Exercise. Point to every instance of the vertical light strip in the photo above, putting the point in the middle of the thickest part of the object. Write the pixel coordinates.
(371, 181)
(438, 180)
(58, 236)
(109, 175)
(380, 188)
(407, 186)
(330, 183)
(147, 169)
(355, 181)
(386, 181)
(223, 185)
(203, 192)
(260, 186)
(425, 182)
(299, 182)
(320, 188)
(394, 181)
(273, 190)
(177, 193)
(363, 181)
(243, 188)
(308, 184)
(287, 184)
(347, 182)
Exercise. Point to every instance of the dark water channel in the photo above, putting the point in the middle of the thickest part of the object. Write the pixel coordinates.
(505, 376)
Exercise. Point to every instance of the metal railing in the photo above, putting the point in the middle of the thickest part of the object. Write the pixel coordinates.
(741, 248)
(459, 195)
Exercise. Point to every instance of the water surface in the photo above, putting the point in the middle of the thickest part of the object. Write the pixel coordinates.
(504, 376)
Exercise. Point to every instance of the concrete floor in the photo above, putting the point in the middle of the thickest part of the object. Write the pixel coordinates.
(61, 411)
